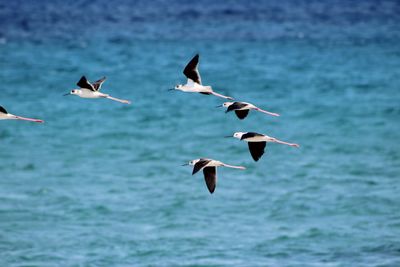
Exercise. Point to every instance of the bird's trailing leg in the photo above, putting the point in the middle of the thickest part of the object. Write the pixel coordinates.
(267, 112)
(286, 143)
(223, 96)
(28, 119)
(118, 100)
(234, 167)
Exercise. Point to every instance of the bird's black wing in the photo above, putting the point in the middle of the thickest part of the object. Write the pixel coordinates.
(235, 106)
(241, 114)
(210, 175)
(3, 110)
(85, 84)
(191, 70)
(257, 149)
(199, 165)
(97, 84)
(249, 135)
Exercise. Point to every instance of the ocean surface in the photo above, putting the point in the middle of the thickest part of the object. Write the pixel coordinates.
(101, 183)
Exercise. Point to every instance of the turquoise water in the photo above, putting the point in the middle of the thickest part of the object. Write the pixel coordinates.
(101, 183)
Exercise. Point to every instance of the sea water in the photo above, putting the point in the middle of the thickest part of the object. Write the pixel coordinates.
(100, 183)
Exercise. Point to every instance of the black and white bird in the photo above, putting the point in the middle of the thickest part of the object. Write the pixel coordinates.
(4, 115)
(193, 84)
(257, 142)
(92, 90)
(242, 109)
(209, 167)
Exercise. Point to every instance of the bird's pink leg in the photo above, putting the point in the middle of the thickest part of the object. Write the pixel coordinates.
(118, 100)
(267, 112)
(28, 119)
(223, 96)
(234, 167)
(285, 143)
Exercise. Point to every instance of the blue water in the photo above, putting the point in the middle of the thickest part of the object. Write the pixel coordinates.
(100, 183)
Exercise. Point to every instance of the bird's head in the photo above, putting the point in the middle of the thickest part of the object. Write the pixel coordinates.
(74, 92)
(227, 104)
(224, 105)
(177, 87)
(192, 162)
(238, 135)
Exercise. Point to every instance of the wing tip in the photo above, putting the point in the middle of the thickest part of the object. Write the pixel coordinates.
(82, 80)
(2, 109)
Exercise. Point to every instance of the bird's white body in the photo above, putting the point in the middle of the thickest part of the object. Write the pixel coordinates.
(195, 89)
(263, 138)
(85, 93)
(7, 116)
(216, 163)
(192, 87)
(212, 163)
(248, 105)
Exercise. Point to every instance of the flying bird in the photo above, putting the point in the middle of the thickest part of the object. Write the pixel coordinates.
(4, 115)
(209, 167)
(92, 90)
(257, 142)
(242, 109)
(194, 84)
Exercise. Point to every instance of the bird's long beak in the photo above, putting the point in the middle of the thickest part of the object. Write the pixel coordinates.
(171, 89)
(219, 106)
(66, 94)
(186, 164)
(228, 136)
